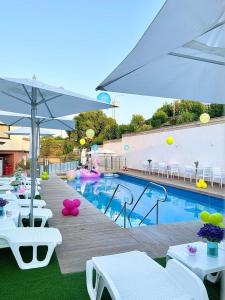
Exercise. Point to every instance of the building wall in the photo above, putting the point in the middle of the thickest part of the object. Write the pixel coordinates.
(13, 150)
(193, 142)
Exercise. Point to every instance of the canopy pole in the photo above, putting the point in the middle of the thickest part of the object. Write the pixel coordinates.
(33, 151)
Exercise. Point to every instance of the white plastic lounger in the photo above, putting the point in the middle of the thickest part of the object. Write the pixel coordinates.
(23, 202)
(38, 213)
(26, 203)
(34, 237)
(134, 275)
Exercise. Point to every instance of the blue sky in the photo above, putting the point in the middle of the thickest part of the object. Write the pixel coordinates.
(75, 43)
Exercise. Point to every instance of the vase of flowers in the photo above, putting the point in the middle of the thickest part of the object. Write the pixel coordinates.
(214, 235)
(3, 202)
(15, 184)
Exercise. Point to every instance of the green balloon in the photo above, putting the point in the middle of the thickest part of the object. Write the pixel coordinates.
(215, 219)
(204, 215)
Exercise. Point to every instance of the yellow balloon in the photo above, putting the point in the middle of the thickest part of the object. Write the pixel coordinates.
(219, 217)
(204, 215)
(201, 181)
(215, 219)
(82, 141)
(90, 133)
(204, 118)
(198, 185)
(170, 140)
(204, 185)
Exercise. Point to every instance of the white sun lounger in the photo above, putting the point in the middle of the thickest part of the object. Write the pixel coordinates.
(34, 237)
(38, 213)
(26, 203)
(134, 275)
(23, 202)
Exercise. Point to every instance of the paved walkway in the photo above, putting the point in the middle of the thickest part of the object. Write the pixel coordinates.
(93, 234)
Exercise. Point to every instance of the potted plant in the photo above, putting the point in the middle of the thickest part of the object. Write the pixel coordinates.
(3, 202)
(212, 231)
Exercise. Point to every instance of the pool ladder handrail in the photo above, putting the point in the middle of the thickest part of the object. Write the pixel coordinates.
(156, 205)
(124, 208)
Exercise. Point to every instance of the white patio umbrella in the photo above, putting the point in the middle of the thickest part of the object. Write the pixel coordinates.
(12, 119)
(27, 131)
(25, 121)
(38, 99)
(181, 55)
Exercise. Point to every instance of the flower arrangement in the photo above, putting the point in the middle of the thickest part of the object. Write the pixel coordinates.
(212, 230)
(211, 233)
(15, 183)
(3, 202)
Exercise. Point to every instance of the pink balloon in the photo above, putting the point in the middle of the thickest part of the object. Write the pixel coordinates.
(65, 201)
(65, 211)
(74, 212)
(68, 204)
(76, 202)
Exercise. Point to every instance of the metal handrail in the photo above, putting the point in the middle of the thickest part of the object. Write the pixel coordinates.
(155, 205)
(124, 208)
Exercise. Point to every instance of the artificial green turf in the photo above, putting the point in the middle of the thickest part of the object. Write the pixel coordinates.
(49, 283)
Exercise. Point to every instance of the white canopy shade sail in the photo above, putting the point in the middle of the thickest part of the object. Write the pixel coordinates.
(25, 120)
(181, 55)
(17, 95)
(27, 131)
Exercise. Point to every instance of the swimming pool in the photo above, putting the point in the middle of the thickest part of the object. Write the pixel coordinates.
(180, 205)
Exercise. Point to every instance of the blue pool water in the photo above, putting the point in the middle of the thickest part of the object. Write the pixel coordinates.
(181, 205)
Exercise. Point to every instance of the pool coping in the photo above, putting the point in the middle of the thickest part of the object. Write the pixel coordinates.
(172, 184)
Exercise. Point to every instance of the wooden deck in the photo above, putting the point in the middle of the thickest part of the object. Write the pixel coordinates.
(93, 234)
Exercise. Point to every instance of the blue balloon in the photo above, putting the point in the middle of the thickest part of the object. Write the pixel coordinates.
(94, 147)
(104, 97)
(126, 147)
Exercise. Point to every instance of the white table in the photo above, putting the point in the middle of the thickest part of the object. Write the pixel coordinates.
(200, 263)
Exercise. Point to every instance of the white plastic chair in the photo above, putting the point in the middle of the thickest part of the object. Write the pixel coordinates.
(217, 176)
(134, 275)
(189, 172)
(163, 170)
(207, 174)
(145, 167)
(174, 170)
(154, 168)
(24, 237)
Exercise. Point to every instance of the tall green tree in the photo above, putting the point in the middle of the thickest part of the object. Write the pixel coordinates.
(104, 127)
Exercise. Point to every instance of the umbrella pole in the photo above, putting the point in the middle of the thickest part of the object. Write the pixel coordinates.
(33, 151)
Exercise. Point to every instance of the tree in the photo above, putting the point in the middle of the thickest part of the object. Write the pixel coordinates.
(159, 118)
(185, 117)
(216, 110)
(138, 123)
(68, 147)
(104, 127)
(124, 128)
